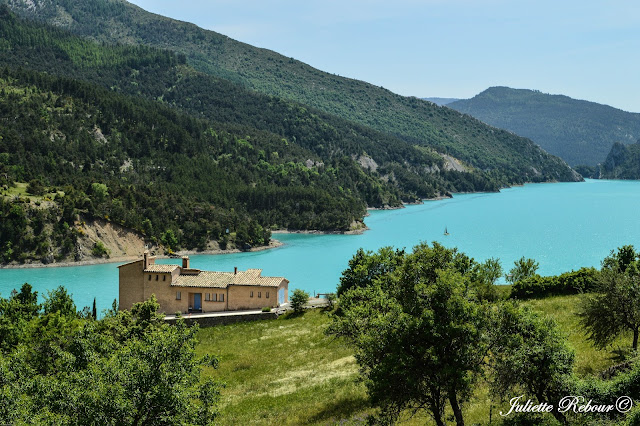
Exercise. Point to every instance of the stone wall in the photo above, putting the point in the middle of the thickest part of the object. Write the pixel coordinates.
(210, 321)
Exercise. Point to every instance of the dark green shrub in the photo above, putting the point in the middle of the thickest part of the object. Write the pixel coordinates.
(99, 250)
(299, 299)
(581, 281)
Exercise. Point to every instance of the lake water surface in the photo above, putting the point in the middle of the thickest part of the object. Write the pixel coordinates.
(563, 226)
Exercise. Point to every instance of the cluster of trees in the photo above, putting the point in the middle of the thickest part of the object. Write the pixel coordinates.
(228, 62)
(426, 332)
(325, 137)
(584, 280)
(61, 366)
(413, 120)
(38, 233)
(185, 157)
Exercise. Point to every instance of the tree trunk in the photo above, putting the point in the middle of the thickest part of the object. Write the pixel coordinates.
(437, 412)
(457, 411)
(635, 339)
(557, 414)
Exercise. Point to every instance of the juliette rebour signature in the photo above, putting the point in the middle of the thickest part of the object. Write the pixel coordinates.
(571, 403)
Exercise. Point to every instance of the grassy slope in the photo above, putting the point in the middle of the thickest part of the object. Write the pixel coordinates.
(578, 131)
(419, 122)
(284, 371)
(288, 372)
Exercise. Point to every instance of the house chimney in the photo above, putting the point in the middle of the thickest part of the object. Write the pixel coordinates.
(235, 270)
(146, 259)
(185, 262)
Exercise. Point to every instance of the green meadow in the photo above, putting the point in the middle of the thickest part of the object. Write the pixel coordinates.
(287, 371)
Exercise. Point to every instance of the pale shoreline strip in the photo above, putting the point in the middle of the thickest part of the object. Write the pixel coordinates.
(125, 259)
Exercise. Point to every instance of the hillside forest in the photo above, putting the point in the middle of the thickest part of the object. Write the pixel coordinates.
(134, 135)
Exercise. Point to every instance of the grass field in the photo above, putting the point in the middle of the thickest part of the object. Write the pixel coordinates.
(19, 189)
(284, 371)
(287, 371)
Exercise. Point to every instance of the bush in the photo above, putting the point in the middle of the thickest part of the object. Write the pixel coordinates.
(35, 187)
(99, 250)
(331, 299)
(581, 281)
(266, 309)
(299, 299)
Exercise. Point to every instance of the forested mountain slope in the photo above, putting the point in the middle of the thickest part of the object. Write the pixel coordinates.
(101, 135)
(89, 153)
(402, 171)
(578, 131)
(506, 157)
(441, 101)
(623, 162)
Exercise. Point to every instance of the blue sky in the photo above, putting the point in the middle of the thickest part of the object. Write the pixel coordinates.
(587, 49)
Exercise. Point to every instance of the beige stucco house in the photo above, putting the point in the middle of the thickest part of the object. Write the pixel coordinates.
(185, 289)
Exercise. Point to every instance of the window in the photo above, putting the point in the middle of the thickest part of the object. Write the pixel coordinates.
(178, 296)
(215, 297)
(267, 295)
(156, 278)
(222, 297)
(164, 278)
(251, 295)
(260, 294)
(206, 296)
(149, 277)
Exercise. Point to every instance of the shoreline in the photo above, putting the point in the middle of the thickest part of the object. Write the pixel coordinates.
(272, 244)
(416, 203)
(358, 231)
(125, 259)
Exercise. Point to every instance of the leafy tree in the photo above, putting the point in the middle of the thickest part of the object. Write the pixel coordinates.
(528, 356)
(99, 191)
(169, 239)
(127, 368)
(60, 301)
(331, 300)
(298, 299)
(420, 338)
(490, 270)
(15, 314)
(523, 268)
(99, 249)
(485, 278)
(365, 268)
(615, 308)
(147, 227)
(35, 187)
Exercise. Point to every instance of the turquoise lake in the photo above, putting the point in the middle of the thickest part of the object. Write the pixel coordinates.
(563, 226)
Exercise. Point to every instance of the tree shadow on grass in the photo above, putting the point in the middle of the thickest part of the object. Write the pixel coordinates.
(349, 408)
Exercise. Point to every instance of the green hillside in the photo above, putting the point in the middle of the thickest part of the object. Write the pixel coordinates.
(579, 132)
(504, 156)
(129, 133)
(623, 162)
(402, 171)
(441, 101)
(89, 153)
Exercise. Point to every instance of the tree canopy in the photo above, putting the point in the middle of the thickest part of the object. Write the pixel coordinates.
(58, 366)
(615, 307)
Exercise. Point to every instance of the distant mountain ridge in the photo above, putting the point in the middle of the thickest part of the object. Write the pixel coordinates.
(580, 132)
(441, 101)
(499, 156)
